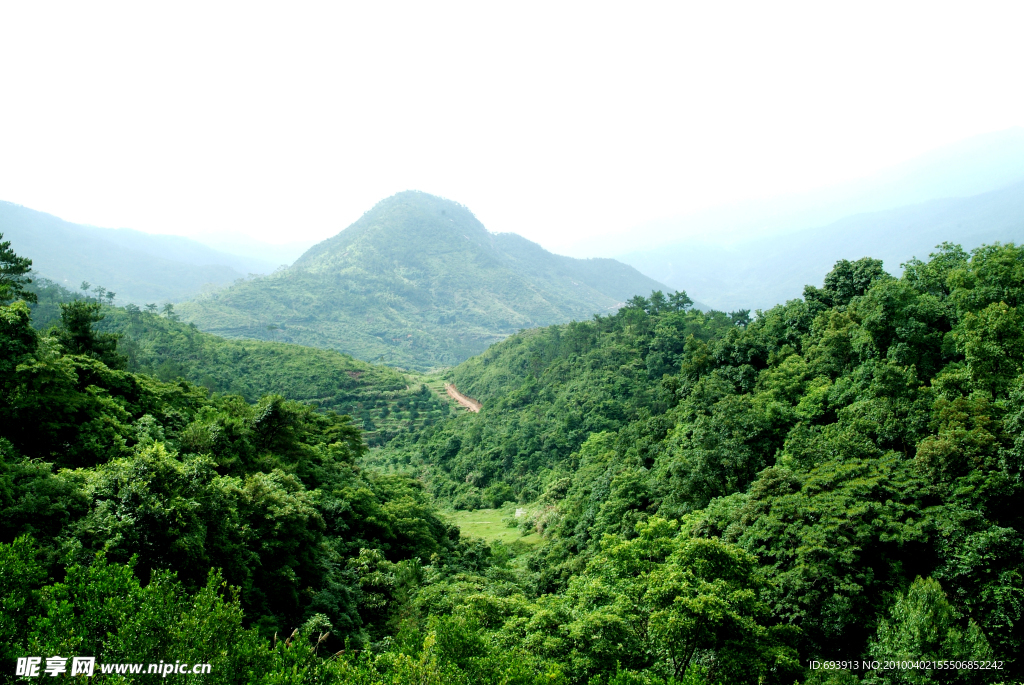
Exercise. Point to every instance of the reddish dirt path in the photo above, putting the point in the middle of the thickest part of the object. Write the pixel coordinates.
(467, 402)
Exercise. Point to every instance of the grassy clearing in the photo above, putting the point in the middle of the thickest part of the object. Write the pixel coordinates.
(486, 524)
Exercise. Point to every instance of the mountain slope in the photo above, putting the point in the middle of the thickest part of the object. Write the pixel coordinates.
(842, 440)
(383, 401)
(418, 282)
(139, 267)
(762, 273)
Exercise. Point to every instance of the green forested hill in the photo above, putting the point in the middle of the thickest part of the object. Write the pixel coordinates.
(862, 444)
(146, 522)
(417, 282)
(127, 502)
(382, 400)
(720, 499)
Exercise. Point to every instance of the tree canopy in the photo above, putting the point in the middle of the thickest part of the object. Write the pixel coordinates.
(714, 497)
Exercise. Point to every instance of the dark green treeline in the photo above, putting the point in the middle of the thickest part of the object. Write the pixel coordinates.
(862, 443)
(722, 499)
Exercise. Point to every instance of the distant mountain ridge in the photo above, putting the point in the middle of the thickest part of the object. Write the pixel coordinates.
(970, 167)
(139, 267)
(419, 282)
(762, 273)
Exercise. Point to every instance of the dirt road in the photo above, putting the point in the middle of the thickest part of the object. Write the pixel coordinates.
(467, 402)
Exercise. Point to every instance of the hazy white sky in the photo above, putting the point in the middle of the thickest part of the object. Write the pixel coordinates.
(286, 121)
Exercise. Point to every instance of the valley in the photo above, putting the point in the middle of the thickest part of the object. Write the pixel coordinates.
(831, 470)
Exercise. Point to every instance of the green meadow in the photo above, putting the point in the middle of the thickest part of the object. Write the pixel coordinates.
(487, 524)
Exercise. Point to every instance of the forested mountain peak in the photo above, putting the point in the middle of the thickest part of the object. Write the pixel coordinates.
(418, 282)
(424, 223)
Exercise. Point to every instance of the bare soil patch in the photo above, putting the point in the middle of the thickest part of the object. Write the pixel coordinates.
(467, 402)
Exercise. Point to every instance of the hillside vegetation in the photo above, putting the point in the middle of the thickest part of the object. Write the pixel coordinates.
(384, 402)
(860, 447)
(419, 283)
(703, 498)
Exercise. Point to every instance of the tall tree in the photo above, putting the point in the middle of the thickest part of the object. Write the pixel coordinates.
(680, 301)
(14, 272)
(76, 334)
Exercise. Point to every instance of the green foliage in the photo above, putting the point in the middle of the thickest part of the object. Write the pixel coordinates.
(76, 335)
(419, 283)
(545, 391)
(717, 498)
(845, 282)
(102, 609)
(383, 401)
(161, 477)
(849, 442)
(13, 274)
(686, 602)
(20, 580)
(923, 626)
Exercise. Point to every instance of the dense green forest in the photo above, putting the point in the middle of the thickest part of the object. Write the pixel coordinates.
(417, 282)
(723, 498)
(383, 401)
(142, 520)
(852, 441)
